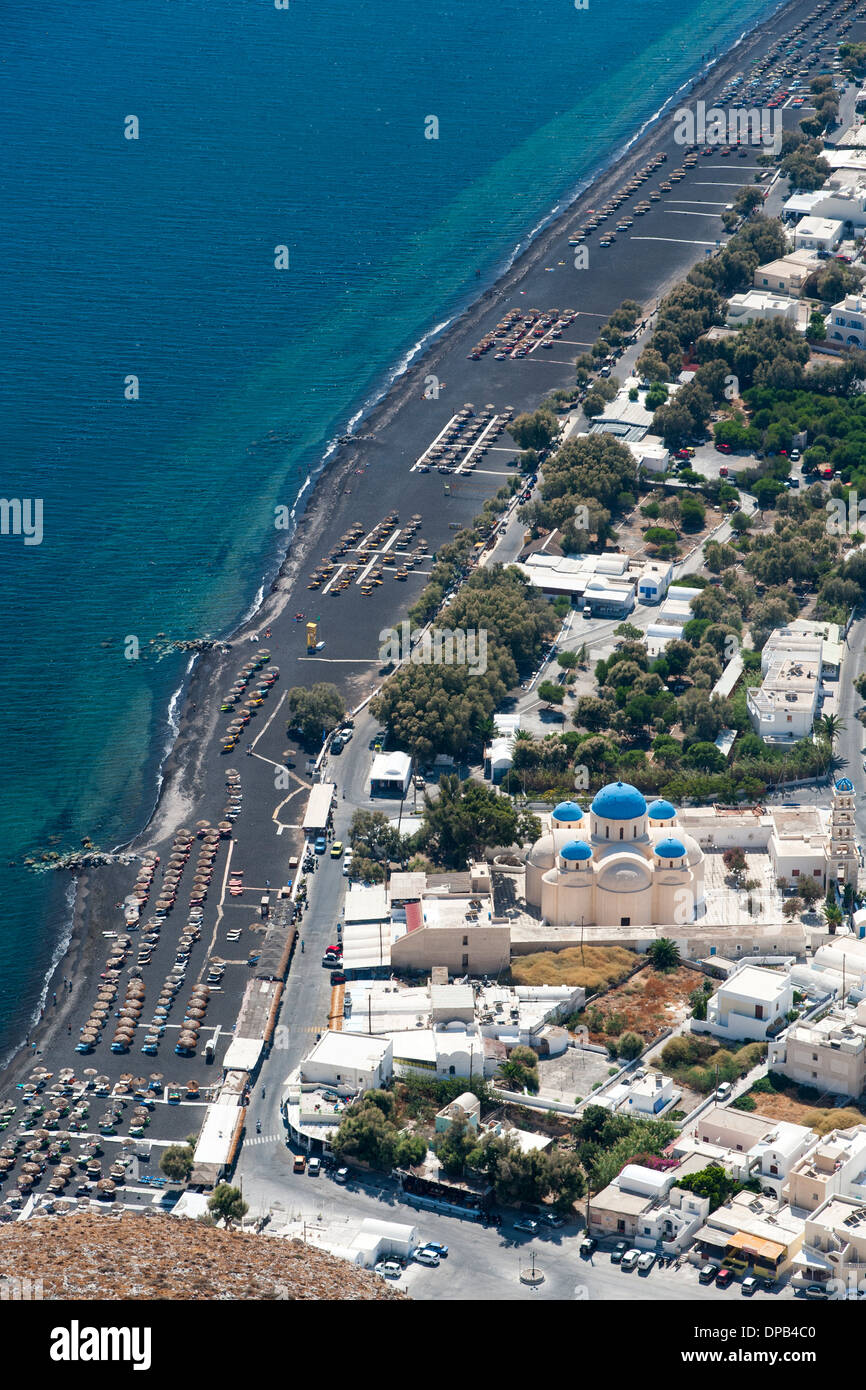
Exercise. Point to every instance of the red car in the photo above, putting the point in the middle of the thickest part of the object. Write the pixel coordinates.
(723, 472)
(682, 454)
(724, 1278)
(723, 448)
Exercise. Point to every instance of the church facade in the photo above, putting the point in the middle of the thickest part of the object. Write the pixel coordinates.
(622, 863)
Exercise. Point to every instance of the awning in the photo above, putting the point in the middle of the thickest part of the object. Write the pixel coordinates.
(756, 1247)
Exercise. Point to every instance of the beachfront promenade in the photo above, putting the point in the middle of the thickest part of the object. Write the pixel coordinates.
(369, 479)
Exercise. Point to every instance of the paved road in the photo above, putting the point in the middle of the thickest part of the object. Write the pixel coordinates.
(483, 1264)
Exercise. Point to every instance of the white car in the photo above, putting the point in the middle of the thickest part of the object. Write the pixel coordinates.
(347, 864)
(630, 1259)
(425, 1257)
(646, 1261)
(389, 1269)
(314, 1167)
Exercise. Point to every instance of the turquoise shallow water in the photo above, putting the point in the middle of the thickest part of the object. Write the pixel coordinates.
(154, 257)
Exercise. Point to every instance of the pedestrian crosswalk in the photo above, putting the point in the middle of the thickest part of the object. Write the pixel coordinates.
(266, 1139)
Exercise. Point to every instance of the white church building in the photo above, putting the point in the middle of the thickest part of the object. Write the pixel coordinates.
(623, 863)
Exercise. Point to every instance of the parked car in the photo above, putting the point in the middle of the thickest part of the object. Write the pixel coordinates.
(389, 1269)
(526, 1224)
(750, 1284)
(723, 1092)
(321, 845)
(337, 849)
(617, 1253)
(341, 1176)
(815, 1291)
(337, 977)
(347, 863)
(314, 1167)
(708, 1274)
(552, 1218)
(423, 1255)
(300, 1163)
(724, 1278)
(437, 1247)
(589, 1244)
(646, 1261)
(630, 1259)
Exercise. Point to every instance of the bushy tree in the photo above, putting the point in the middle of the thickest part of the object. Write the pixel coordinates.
(314, 711)
(226, 1204)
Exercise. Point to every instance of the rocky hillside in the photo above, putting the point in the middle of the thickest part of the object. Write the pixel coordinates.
(164, 1257)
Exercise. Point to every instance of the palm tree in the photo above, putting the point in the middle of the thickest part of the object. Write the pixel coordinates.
(832, 915)
(513, 1072)
(664, 954)
(829, 727)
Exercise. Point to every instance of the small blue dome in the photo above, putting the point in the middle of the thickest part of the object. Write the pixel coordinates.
(844, 785)
(568, 810)
(661, 810)
(576, 849)
(670, 849)
(619, 801)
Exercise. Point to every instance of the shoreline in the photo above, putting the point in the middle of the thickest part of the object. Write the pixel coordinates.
(180, 771)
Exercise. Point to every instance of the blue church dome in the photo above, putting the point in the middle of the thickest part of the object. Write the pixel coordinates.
(568, 810)
(670, 849)
(619, 801)
(576, 849)
(661, 810)
(844, 785)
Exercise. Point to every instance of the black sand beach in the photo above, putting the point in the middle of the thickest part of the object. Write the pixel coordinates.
(363, 481)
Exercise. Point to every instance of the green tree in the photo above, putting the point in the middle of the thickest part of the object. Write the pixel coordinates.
(314, 711)
(809, 891)
(664, 954)
(535, 431)
(630, 1046)
(176, 1162)
(455, 1146)
(550, 693)
(713, 1182)
(465, 818)
(226, 1204)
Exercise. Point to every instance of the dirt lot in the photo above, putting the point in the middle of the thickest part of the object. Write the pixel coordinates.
(820, 1115)
(647, 1003)
(593, 967)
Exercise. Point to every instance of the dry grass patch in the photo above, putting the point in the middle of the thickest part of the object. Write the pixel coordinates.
(593, 967)
(801, 1105)
(646, 1004)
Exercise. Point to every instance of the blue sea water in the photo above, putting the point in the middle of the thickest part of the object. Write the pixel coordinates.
(154, 257)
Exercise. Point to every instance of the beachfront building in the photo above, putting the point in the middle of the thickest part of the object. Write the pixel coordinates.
(645, 1207)
(834, 1165)
(846, 321)
(624, 863)
(650, 455)
(760, 304)
(788, 274)
(828, 1053)
(390, 775)
(607, 584)
(818, 234)
(834, 1245)
(749, 1146)
(499, 753)
(841, 199)
(751, 1233)
(750, 1005)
